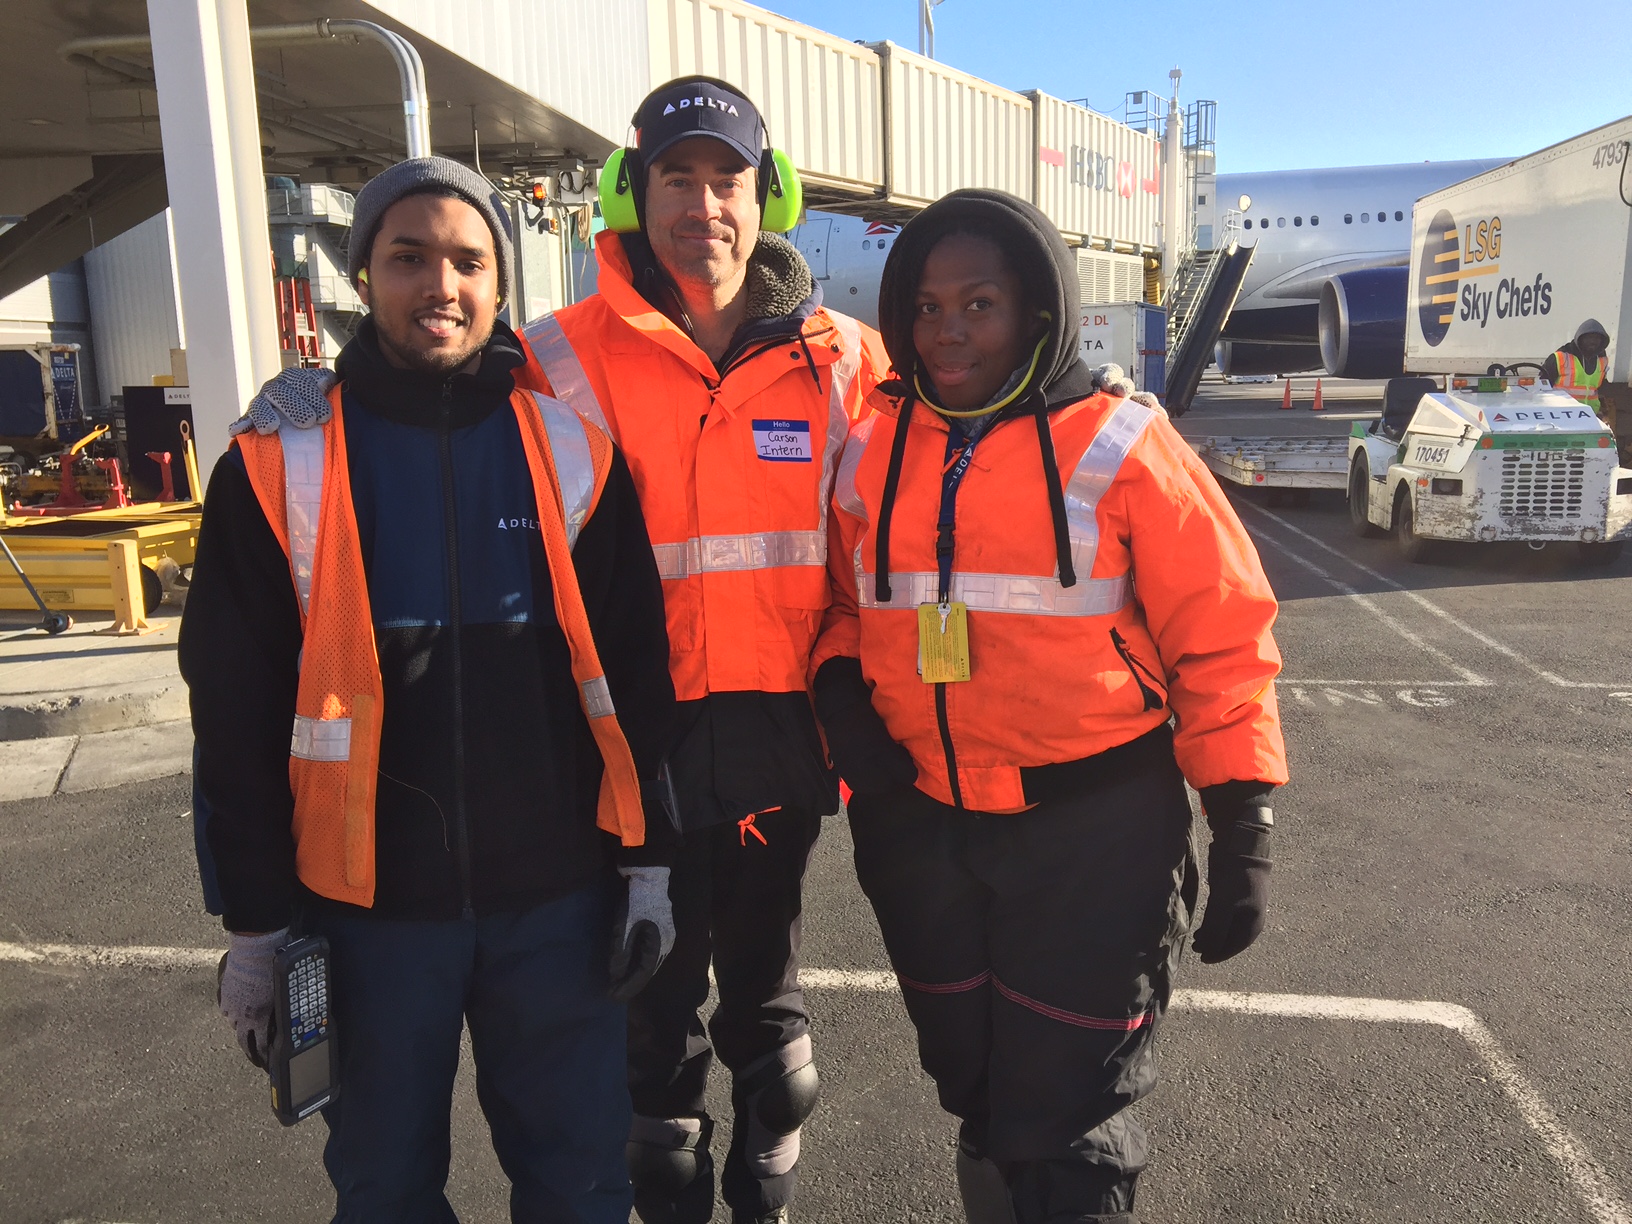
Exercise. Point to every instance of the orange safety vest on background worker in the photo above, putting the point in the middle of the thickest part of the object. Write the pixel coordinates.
(734, 469)
(1573, 377)
(1168, 617)
(303, 484)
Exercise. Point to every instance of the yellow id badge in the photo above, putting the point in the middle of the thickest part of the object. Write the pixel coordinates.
(943, 643)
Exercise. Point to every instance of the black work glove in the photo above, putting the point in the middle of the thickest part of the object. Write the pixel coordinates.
(1237, 869)
(866, 757)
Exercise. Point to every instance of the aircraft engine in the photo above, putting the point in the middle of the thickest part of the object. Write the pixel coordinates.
(1243, 358)
(1362, 323)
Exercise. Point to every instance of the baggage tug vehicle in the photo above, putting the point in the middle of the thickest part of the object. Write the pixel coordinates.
(1482, 460)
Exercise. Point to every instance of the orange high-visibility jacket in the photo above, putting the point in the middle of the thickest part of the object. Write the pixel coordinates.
(1169, 616)
(734, 471)
(303, 484)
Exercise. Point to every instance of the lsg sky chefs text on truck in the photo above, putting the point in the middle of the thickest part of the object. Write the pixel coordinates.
(1506, 265)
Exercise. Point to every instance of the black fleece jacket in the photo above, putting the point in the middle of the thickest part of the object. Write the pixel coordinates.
(489, 775)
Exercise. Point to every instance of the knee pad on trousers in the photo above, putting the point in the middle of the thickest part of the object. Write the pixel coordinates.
(665, 1155)
(774, 1096)
(984, 1190)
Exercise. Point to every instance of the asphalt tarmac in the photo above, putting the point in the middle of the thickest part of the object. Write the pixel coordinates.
(1458, 831)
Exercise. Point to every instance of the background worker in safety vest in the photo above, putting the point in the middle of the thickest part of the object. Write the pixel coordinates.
(444, 585)
(1046, 619)
(708, 355)
(1580, 365)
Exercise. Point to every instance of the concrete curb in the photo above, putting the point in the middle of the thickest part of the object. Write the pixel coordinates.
(73, 764)
(90, 711)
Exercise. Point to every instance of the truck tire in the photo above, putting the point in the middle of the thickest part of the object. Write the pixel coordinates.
(1360, 498)
(1598, 554)
(1413, 547)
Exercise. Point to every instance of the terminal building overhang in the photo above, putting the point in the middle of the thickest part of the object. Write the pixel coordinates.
(81, 150)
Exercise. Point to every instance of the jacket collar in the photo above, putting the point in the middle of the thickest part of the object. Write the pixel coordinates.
(412, 398)
(783, 298)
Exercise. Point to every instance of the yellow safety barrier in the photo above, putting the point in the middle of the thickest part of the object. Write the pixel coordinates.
(129, 603)
(68, 560)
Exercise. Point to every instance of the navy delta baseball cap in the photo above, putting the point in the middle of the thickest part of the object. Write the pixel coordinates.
(695, 107)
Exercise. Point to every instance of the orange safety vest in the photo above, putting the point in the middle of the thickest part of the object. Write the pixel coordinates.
(1573, 377)
(1170, 613)
(303, 482)
(734, 473)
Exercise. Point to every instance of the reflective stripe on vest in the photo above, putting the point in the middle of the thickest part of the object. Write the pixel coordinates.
(574, 468)
(321, 739)
(1029, 594)
(303, 500)
(562, 367)
(718, 553)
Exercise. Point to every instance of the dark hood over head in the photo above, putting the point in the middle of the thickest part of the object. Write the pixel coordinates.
(1046, 267)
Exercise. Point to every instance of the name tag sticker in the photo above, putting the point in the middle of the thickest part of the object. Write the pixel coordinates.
(783, 441)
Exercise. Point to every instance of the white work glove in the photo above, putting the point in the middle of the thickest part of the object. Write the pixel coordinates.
(1113, 380)
(298, 397)
(243, 990)
(642, 932)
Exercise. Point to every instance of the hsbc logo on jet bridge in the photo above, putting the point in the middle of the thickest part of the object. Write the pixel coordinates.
(1451, 284)
(1097, 171)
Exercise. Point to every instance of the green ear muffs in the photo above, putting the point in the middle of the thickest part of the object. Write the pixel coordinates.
(616, 185)
(781, 203)
(783, 197)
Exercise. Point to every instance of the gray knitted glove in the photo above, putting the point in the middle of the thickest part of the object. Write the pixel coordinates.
(244, 990)
(643, 932)
(299, 397)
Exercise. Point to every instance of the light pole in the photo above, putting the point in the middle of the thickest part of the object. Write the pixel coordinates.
(926, 26)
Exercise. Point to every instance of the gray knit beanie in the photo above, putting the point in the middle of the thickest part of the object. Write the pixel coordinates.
(419, 174)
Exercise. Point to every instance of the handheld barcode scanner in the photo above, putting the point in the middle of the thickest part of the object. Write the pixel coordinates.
(303, 1062)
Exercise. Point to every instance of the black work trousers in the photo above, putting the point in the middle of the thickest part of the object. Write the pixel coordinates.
(1036, 953)
(737, 901)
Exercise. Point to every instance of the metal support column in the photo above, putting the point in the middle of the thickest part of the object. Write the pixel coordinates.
(212, 161)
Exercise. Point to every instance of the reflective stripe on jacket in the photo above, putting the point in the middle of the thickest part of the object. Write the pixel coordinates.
(303, 484)
(1573, 377)
(1169, 615)
(734, 471)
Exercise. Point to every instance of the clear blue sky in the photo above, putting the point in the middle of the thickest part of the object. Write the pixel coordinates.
(1298, 85)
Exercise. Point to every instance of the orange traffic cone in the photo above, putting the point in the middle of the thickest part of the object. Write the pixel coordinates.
(1317, 406)
(1286, 398)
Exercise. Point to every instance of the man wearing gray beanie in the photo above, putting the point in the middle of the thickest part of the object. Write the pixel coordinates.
(443, 830)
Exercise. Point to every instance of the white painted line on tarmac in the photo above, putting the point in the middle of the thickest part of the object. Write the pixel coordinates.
(1484, 639)
(93, 956)
(1409, 684)
(1470, 678)
(1589, 1178)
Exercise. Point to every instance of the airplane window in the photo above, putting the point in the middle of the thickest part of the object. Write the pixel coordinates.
(1314, 220)
(1365, 217)
(1382, 216)
(1280, 222)
(1348, 218)
(1247, 224)
(866, 244)
(1398, 215)
(882, 244)
(1297, 221)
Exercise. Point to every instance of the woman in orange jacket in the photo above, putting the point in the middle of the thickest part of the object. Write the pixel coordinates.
(1046, 620)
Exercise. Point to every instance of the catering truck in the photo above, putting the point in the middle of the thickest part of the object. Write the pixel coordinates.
(1507, 264)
